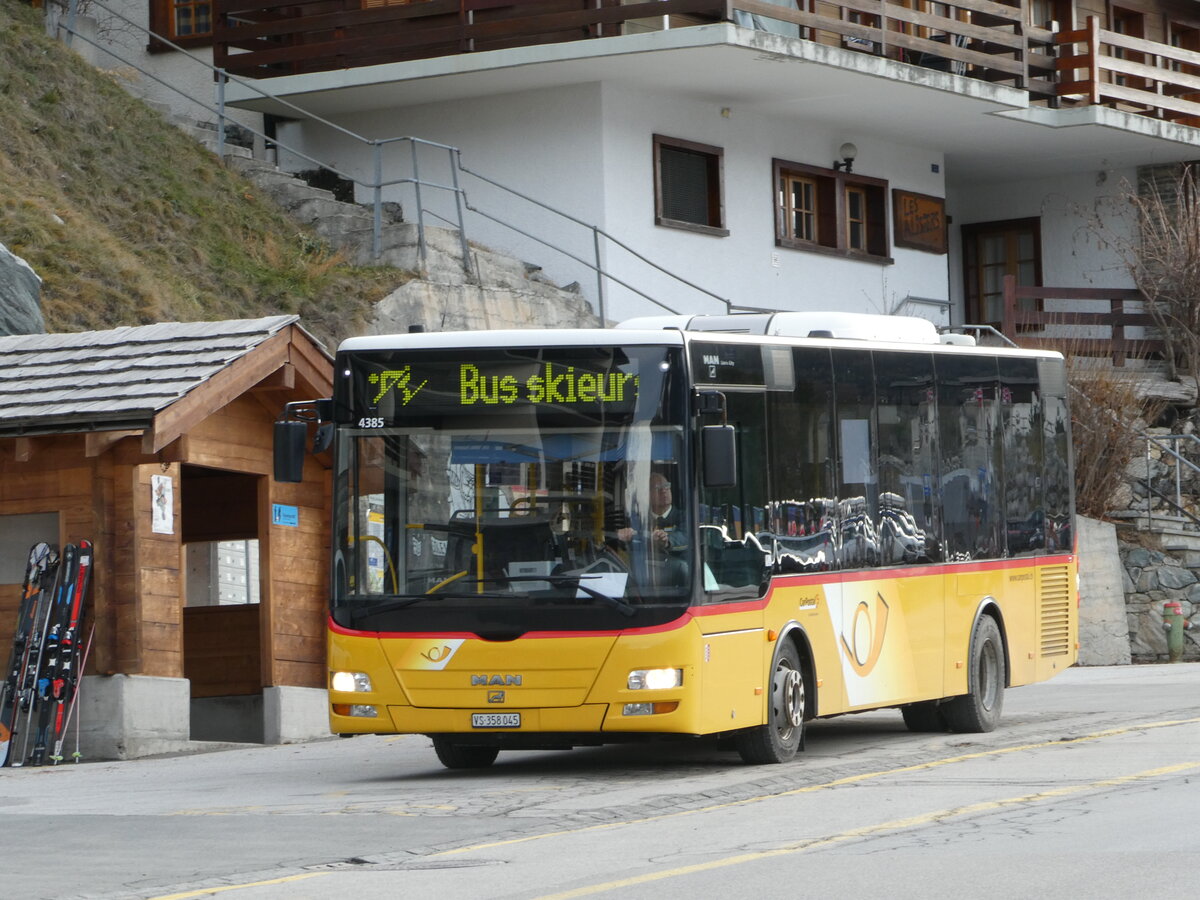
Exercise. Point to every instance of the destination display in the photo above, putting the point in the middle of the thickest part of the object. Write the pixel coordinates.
(384, 390)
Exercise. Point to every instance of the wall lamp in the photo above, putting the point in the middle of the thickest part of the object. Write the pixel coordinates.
(848, 152)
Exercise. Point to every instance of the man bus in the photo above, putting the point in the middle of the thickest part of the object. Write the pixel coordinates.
(865, 514)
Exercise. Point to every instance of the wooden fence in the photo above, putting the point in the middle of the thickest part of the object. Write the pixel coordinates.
(1073, 331)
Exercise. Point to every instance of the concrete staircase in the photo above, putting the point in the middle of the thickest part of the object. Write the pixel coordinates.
(488, 290)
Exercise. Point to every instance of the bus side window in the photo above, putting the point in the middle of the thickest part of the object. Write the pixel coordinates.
(1057, 470)
(733, 517)
(971, 476)
(858, 480)
(802, 506)
(905, 424)
(1021, 420)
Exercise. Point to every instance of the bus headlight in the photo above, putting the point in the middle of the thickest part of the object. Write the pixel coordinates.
(655, 679)
(350, 681)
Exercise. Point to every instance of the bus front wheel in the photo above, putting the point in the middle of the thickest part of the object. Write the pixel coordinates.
(463, 756)
(979, 709)
(778, 740)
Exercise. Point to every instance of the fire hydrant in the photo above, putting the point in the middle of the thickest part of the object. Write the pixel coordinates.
(1175, 625)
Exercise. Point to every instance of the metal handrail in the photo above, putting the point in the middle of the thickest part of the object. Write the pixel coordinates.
(376, 185)
(1180, 461)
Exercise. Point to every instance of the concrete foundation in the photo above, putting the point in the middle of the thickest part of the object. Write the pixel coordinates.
(126, 716)
(129, 716)
(293, 714)
(1103, 629)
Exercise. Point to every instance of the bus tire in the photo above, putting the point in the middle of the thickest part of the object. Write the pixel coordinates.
(778, 740)
(463, 756)
(979, 709)
(924, 717)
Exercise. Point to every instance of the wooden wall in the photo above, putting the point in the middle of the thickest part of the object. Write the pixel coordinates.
(221, 650)
(53, 475)
(152, 564)
(293, 559)
(138, 576)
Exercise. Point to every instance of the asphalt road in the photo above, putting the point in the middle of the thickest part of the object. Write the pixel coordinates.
(1090, 786)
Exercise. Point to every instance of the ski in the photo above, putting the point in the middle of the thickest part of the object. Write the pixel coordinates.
(35, 592)
(63, 677)
(41, 711)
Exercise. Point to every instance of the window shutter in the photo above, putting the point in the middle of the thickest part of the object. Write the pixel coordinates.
(685, 186)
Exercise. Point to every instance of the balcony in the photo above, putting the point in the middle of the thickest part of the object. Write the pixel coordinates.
(267, 38)
(987, 40)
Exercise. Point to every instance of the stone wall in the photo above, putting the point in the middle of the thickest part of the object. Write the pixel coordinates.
(1154, 577)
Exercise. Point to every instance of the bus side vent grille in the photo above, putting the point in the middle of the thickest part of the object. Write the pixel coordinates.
(1054, 591)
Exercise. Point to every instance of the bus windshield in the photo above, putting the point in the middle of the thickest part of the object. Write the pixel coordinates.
(522, 490)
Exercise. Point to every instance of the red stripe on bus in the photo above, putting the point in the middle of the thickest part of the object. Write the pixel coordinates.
(718, 609)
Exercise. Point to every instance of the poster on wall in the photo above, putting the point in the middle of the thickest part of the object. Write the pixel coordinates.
(162, 505)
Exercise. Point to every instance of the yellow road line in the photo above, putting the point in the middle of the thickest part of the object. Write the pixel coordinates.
(894, 825)
(794, 848)
(207, 892)
(851, 779)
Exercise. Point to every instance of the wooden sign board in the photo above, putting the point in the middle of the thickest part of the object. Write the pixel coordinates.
(919, 221)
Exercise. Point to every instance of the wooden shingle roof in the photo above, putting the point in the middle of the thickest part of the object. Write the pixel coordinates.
(125, 377)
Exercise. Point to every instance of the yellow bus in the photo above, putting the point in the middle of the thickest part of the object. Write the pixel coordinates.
(690, 527)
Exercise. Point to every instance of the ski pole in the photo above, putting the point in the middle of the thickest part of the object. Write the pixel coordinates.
(57, 757)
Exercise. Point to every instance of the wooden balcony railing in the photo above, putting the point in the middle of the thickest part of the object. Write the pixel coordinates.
(983, 39)
(988, 40)
(1094, 325)
(267, 38)
(1104, 67)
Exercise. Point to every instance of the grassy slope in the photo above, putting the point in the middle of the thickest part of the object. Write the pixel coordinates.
(129, 221)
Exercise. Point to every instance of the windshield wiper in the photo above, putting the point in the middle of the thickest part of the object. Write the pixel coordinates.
(394, 603)
(571, 581)
(616, 603)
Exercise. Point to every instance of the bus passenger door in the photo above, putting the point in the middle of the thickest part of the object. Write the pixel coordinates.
(735, 569)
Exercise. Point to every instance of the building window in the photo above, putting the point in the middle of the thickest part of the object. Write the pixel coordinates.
(992, 250)
(800, 202)
(1044, 13)
(688, 186)
(183, 22)
(1132, 24)
(828, 211)
(856, 219)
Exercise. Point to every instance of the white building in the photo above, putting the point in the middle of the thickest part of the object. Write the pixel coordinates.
(709, 140)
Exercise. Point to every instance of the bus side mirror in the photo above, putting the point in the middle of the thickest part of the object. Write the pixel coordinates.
(718, 446)
(291, 438)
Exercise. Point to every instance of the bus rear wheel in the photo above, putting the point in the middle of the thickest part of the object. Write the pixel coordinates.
(979, 709)
(463, 756)
(779, 739)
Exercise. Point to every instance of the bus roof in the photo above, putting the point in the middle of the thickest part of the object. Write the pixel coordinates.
(832, 329)
(524, 337)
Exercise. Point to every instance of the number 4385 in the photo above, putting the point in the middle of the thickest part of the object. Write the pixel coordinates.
(370, 422)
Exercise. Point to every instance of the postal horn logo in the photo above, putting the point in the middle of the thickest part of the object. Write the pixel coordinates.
(397, 380)
(866, 633)
(437, 654)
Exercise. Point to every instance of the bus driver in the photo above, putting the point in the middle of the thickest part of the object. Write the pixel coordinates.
(666, 535)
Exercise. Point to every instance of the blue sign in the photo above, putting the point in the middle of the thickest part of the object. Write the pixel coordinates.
(285, 515)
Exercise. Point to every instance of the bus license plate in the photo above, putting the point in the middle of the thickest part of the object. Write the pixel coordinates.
(495, 720)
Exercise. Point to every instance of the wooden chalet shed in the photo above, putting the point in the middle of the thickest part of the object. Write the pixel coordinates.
(209, 579)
